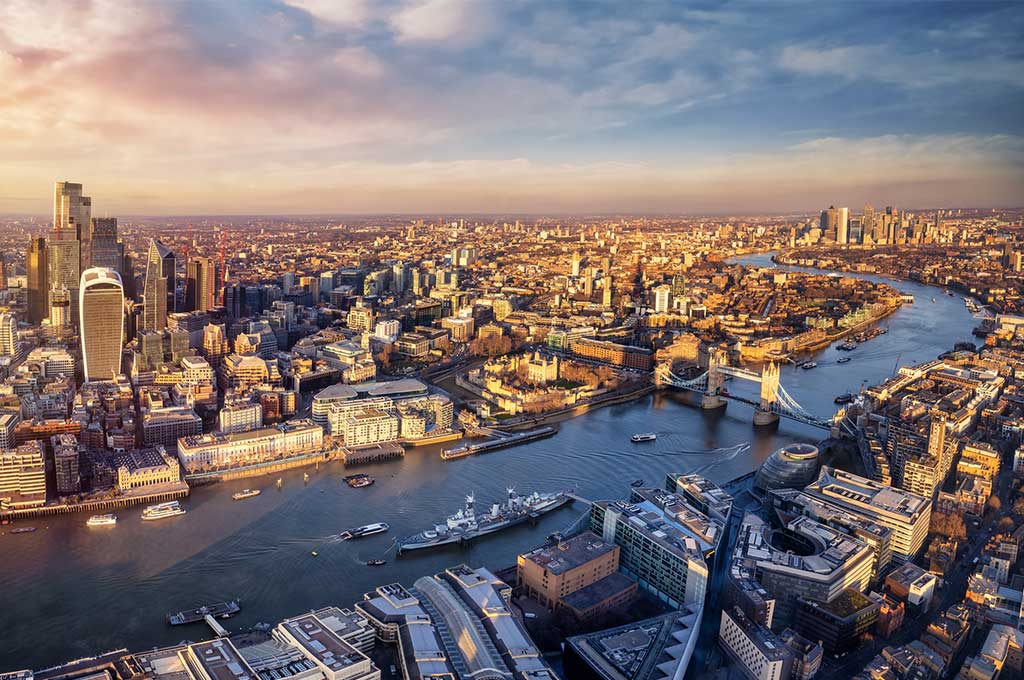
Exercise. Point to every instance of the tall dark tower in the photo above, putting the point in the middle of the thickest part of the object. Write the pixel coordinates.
(38, 282)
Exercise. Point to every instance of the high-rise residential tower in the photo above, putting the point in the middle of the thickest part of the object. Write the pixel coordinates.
(200, 285)
(159, 287)
(37, 277)
(101, 310)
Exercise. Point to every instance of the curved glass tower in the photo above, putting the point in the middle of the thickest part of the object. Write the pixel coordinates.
(101, 310)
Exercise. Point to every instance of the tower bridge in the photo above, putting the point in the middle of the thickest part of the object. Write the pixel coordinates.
(774, 401)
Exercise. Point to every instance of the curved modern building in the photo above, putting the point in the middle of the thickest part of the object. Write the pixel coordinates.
(101, 311)
(794, 466)
(803, 558)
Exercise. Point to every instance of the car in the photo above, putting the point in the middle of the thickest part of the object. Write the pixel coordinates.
(529, 615)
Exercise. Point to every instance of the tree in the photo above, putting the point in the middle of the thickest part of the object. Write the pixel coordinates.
(994, 504)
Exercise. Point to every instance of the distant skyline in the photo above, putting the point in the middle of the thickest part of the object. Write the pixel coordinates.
(444, 106)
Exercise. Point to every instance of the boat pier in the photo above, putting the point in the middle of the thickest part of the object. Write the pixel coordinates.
(355, 455)
(218, 629)
(171, 494)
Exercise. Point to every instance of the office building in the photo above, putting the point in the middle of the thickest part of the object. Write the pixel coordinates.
(10, 346)
(148, 467)
(665, 544)
(168, 424)
(839, 623)
(240, 416)
(369, 426)
(101, 309)
(803, 558)
(455, 624)
(662, 299)
(906, 513)
(159, 287)
(332, 656)
(659, 648)
(200, 285)
(60, 309)
(72, 215)
(22, 476)
(789, 503)
(9, 420)
(52, 361)
(627, 356)
(753, 648)
(913, 585)
(65, 460)
(62, 257)
(37, 280)
(843, 225)
(549, 573)
(221, 451)
(1001, 656)
(104, 250)
(702, 494)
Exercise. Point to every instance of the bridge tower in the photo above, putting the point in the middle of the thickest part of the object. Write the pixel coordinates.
(712, 395)
(764, 414)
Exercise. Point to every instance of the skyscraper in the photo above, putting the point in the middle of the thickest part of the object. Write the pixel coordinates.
(103, 248)
(200, 285)
(3, 273)
(38, 280)
(71, 219)
(829, 220)
(62, 259)
(8, 334)
(101, 310)
(159, 287)
(843, 225)
(60, 308)
(662, 298)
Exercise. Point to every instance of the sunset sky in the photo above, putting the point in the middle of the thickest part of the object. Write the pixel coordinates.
(328, 106)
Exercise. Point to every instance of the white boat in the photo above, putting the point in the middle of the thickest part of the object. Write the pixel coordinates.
(643, 437)
(101, 520)
(367, 530)
(245, 493)
(808, 365)
(163, 511)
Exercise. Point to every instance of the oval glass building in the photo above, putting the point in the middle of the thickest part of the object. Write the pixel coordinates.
(794, 466)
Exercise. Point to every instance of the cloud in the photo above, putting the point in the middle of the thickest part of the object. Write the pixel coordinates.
(230, 104)
(335, 13)
(464, 21)
(891, 64)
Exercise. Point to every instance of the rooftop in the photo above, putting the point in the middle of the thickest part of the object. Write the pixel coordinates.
(652, 649)
(859, 494)
(569, 554)
(220, 660)
(321, 643)
(598, 591)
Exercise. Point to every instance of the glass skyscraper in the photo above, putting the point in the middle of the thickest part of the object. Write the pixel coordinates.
(101, 310)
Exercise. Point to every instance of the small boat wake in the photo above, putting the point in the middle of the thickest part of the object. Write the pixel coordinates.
(722, 455)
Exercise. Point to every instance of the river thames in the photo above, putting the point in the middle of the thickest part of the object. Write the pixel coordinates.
(67, 591)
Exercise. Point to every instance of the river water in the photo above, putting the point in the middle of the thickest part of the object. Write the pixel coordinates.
(67, 591)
